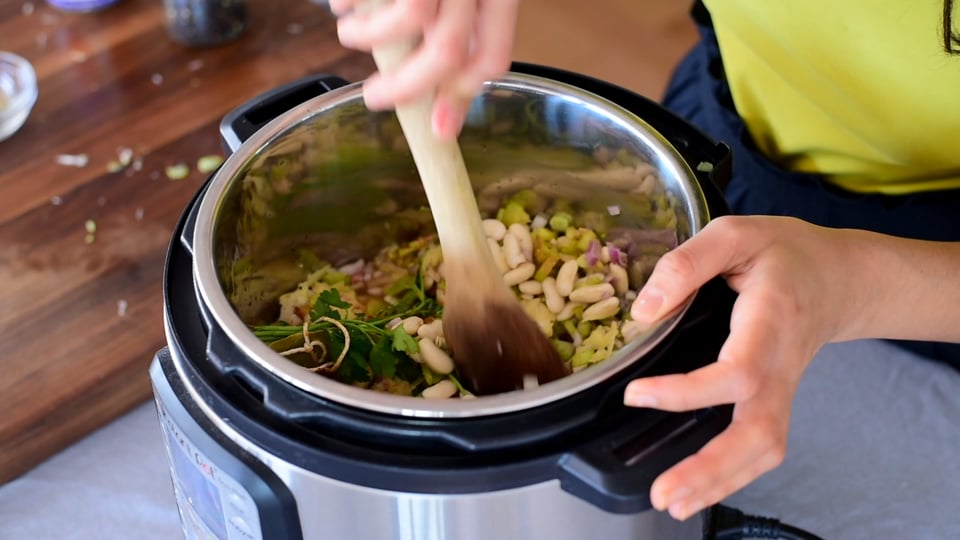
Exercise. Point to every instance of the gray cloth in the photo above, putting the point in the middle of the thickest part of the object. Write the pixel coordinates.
(872, 455)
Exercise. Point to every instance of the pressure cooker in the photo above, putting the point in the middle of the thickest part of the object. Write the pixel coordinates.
(260, 447)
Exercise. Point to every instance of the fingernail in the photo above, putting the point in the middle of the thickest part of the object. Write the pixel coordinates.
(637, 398)
(447, 120)
(682, 511)
(647, 305)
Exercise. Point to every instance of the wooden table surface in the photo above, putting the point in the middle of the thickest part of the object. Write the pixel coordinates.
(80, 321)
(71, 357)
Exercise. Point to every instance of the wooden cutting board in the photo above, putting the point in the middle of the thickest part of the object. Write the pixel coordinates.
(79, 321)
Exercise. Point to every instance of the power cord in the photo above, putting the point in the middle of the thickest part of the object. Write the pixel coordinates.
(726, 523)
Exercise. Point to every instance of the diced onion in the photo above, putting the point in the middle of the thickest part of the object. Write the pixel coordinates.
(539, 221)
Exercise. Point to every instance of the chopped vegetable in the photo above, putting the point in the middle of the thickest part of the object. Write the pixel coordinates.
(124, 156)
(178, 171)
(512, 213)
(377, 323)
(73, 160)
(561, 221)
(208, 164)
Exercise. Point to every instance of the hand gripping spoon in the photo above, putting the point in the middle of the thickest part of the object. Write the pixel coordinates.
(496, 346)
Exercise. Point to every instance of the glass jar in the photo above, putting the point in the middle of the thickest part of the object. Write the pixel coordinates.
(18, 92)
(201, 23)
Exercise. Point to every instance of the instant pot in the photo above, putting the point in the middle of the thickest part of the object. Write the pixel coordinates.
(260, 447)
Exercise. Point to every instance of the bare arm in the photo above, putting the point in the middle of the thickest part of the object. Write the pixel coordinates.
(912, 289)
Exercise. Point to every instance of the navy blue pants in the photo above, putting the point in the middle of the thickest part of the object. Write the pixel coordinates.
(699, 93)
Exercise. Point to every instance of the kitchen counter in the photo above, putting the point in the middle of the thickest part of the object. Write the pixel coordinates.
(872, 455)
(80, 317)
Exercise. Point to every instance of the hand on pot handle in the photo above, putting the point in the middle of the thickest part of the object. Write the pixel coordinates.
(464, 43)
(790, 303)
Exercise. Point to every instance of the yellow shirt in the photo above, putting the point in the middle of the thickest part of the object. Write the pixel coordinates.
(859, 90)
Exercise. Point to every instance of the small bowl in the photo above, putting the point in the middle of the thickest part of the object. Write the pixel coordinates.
(18, 92)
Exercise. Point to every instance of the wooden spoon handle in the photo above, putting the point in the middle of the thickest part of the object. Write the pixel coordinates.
(441, 167)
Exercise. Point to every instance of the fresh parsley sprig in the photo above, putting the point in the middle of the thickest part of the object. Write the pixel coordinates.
(374, 350)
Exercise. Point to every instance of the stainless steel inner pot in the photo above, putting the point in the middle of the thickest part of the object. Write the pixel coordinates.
(331, 175)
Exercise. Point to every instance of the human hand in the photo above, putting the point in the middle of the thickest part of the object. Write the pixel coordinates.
(464, 43)
(792, 300)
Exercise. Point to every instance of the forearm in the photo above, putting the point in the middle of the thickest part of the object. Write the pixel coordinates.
(904, 289)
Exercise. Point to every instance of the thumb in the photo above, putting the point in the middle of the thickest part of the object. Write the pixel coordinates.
(683, 270)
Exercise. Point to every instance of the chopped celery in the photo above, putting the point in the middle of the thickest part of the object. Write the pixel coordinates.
(585, 327)
(585, 236)
(560, 221)
(513, 212)
(565, 348)
(546, 268)
(582, 356)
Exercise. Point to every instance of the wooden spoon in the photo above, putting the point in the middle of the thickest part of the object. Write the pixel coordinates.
(496, 346)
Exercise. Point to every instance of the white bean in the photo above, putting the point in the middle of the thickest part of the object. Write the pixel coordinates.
(498, 257)
(434, 357)
(619, 278)
(520, 274)
(531, 287)
(605, 254)
(494, 229)
(522, 232)
(431, 330)
(412, 324)
(554, 300)
(567, 311)
(592, 293)
(512, 252)
(602, 309)
(444, 389)
(566, 277)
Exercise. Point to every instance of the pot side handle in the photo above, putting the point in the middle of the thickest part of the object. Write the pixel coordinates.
(616, 473)
(242, 122)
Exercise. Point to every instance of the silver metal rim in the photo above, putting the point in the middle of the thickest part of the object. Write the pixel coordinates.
(208, 284)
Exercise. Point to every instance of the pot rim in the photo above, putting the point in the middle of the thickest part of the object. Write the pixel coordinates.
(209, 287)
